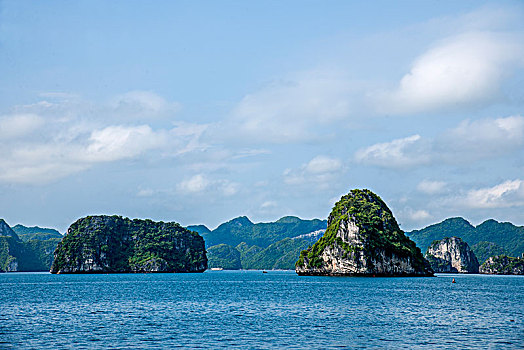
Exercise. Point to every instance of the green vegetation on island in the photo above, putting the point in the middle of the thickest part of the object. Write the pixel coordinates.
(280, 255)
(483, 250)
(262, 234)
(452, 254)
(117, 244)
(223, 256)
(200, 229)
(35, 232)
(363, 232)
(503, 265)
(487, 239)
(271, 252)
(25, 251)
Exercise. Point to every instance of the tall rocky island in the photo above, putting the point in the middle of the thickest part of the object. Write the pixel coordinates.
(105, 244)
(363, 239)
(452, 254)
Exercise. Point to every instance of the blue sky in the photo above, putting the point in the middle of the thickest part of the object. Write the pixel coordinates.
(201, 111)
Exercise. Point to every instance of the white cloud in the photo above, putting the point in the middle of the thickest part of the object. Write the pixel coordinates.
(269, 208)
(462, 70)
(400, 153)
(187, 137)
(58, 95)
(286, 111)
(19, 125)
(41, 161)
(143, 104)
(228, 188)
(201, 183)
(507, 194)
(146, 192)
(419, 215)
(409, 217)
(268, 204)
(323, 164)
(468, 142)
(37, 173)
(483, 138)
(45, 141)
(431, 187)
(197, 183)
(319, 171)
(120, 142)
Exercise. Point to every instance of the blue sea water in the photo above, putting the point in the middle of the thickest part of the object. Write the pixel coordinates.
(250, 309)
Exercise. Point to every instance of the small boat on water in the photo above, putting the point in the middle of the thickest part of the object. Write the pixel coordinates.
(264, 271)
(453, 281)
(216, 268)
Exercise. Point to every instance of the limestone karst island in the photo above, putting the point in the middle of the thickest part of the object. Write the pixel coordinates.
(452, 254)
(363, 239)
(103, 244)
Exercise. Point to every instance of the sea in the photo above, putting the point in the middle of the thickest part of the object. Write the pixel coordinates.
(256, 310)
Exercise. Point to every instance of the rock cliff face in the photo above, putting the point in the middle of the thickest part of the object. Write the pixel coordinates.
(452, 254)
(17, 255)
(6, 230)
(363, 238)
(503, 265)
(102, 244)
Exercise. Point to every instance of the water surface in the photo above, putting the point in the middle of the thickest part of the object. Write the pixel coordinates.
(249, 309)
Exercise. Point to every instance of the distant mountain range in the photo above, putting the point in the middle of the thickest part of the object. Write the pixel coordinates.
(35, 232)
(281, 255)
(241, 244)
(487, 239)
(263, 234)
(269, 245)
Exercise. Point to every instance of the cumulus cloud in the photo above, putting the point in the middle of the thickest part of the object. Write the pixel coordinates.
(46, 141)
(286, 110)
(413, 217)
(187, 137)
(197, 183)
(459, 71)
(43, 161)
(469, 141)
(485, 137)
(19, 125)
(431, 187)
(319, 171)
(323, 164)
(268, 205)
(400, 153)
(200, 183)
(37, 173)
(507, 194)
(120, 142)
(143, 104)
(145, 192)
(419, 215)
(228, 188)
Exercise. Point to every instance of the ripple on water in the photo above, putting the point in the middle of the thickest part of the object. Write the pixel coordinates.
(247, 309)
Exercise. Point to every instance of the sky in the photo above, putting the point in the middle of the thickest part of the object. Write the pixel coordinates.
(202, 111)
